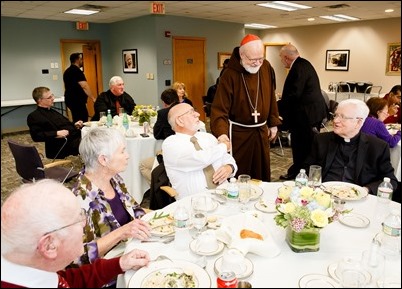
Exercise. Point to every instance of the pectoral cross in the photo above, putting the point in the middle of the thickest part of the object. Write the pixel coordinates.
(255, 114)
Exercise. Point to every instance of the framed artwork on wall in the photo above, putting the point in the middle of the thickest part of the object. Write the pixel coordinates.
(222, 56)
(130, 61)
(337, 60)
(393, 62)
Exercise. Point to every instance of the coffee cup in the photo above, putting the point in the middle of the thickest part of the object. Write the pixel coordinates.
(206, 242)
(233, 260)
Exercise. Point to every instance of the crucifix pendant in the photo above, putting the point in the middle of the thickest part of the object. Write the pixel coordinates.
(255, 114)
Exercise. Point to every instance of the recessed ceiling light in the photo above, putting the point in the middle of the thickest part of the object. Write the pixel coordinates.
(346, 17)
(389, 10)
(81, 11)
(339, 17)
(258, 26)
(311, 19)
(283, 5)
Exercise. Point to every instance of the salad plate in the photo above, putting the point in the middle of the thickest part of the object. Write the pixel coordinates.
(170, 274)
(161, 223)
(256, 191)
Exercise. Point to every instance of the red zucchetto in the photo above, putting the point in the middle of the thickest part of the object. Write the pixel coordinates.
(248, 38)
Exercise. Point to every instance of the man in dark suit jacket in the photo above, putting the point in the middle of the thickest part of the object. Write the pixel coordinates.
(302, 106)
(348, 155)
(46, 124)
(162, 128)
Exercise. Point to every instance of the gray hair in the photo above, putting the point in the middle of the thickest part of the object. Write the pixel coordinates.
(360, 108)
(114, 80)
(31, 211)
(99, 141)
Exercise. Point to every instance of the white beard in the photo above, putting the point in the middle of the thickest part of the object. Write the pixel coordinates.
(252, 69)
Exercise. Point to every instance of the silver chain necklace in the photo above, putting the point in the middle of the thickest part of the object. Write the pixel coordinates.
(254, 107)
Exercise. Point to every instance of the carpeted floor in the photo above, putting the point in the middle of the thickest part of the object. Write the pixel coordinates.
(11, 180)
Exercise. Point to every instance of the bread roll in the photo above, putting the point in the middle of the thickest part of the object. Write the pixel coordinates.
(250, 234)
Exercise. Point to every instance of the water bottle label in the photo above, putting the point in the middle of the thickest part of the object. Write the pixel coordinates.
(233, 194)
(395, 232)
(181, 223)
(301, 181)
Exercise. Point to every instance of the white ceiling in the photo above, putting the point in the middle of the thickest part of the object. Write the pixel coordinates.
(230, 11)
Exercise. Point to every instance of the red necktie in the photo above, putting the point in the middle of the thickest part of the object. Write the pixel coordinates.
(62, 283)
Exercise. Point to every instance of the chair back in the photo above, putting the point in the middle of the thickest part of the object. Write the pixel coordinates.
(27, 161)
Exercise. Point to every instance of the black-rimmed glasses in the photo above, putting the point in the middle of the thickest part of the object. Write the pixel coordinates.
(343, 117)
(83, 219)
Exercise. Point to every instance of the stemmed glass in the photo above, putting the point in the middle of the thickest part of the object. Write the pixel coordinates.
(199, 215)
(244, 191)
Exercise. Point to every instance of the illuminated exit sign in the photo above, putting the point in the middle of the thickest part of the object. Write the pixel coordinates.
(82, 25)
(157, 8)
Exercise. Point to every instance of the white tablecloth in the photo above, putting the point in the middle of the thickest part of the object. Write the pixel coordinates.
(286, 269)
(139, 148)
(396, 160)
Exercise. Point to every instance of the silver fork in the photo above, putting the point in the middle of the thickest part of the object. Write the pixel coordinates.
(160, 240)
(161, 257)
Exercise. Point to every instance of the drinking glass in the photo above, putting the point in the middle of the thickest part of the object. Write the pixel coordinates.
(102, 114)
(314, 176)
(121, 111)
(244, 191)
(199, 212)
(199, 221)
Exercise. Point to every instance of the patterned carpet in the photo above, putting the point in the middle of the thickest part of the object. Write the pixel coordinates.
(11, 180)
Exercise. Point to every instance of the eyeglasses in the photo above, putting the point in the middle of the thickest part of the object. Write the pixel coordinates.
(83, 219)
(191, 111)
(49, 97)
(254, 60)
(343, 118)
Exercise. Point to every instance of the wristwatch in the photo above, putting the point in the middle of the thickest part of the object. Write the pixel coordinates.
(233, 169)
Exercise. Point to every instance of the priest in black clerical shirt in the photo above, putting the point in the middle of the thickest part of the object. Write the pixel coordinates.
(348, 155)
(49, 126)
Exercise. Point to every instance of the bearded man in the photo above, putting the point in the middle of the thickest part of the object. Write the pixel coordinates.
(244, 110)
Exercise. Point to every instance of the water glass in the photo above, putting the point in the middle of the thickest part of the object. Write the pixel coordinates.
(102, 114)
(121, 111)
(199, 212)
(314, 176)
(244, 191)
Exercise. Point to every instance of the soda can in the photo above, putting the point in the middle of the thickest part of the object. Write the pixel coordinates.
(226, 280)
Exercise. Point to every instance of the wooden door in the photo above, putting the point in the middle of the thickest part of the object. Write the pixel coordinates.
(89, 57)
(189, 68)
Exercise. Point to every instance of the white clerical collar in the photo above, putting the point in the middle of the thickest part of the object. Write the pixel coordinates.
(346, 139)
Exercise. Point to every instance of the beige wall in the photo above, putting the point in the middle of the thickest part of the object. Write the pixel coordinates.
(366, 40)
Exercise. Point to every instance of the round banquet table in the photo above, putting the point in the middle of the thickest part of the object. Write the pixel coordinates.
(285, 269)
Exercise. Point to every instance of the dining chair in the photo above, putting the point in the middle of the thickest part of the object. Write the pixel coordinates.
(30, 167)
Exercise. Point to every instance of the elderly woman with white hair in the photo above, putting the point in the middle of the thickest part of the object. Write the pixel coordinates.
(113, 215)
(345, 154)
(114, 99)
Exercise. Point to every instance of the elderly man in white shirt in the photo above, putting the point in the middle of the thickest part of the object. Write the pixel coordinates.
(184, 163)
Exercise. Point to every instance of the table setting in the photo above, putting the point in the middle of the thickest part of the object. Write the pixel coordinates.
(253, 245)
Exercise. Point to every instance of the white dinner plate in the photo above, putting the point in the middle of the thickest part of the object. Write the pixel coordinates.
(354, 220)
(332, 272)
(256, 191)
(160, 227)
(249, 268)
(264, 206)
(317, 281)
(346, 191)
(202, 253)
(146, 276)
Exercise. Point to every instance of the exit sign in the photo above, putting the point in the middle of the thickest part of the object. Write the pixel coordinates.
(82, 25)
(157, 8)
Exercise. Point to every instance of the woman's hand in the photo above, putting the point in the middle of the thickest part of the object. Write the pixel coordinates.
(137, 229)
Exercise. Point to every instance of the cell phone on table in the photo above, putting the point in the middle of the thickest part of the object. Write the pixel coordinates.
(144, 135)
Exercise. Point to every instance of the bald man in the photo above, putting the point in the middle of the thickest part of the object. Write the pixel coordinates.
(41, 233)
(184, 163)
(244, 109)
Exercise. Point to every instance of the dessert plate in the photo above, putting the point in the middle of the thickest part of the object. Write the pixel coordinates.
(354, 220)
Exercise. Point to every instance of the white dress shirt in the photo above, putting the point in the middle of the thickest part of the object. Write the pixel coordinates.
(184, 164)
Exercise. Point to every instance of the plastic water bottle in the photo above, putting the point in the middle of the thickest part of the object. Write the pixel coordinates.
(301, 179)
(384, 191)
(126, 123)
(109, 119)
(390, 237)
(181, 222)
(233, 189)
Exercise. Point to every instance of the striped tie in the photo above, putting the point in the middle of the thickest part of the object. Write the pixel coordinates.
(209, 170)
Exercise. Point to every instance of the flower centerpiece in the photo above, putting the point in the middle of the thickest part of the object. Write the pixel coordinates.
(143, 113)
(303, 212)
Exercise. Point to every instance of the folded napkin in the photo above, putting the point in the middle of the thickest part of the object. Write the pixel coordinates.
(230, 234)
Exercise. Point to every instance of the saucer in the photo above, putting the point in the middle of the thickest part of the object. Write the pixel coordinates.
(332, 272)
(354, 220)
(317, 281)
(245, 274)
(202, 253)
(266, 207)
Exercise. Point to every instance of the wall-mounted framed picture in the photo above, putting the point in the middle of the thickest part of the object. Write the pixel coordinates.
(337, 60)
(393, 59)
(222, 56)
(130, 61)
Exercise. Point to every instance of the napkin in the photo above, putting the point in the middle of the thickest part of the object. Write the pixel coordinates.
(131, 133)
(229, 233)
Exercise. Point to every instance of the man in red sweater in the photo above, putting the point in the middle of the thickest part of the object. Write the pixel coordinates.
(41, 233)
